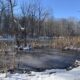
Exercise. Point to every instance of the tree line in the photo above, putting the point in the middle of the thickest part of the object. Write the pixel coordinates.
(34, 20)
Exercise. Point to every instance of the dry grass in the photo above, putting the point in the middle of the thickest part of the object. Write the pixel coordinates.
(66, 41)
(59, 42)
(6, 57)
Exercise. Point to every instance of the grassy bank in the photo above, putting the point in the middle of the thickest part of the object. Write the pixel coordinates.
(59, 42)
(66, 41)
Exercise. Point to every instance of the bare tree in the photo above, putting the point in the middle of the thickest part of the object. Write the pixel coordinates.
(2, 12)
(42, 15)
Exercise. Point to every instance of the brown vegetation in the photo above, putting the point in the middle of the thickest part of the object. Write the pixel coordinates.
(58, 42)
(66, 42)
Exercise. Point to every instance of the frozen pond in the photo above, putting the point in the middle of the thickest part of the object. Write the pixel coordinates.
(46, 59)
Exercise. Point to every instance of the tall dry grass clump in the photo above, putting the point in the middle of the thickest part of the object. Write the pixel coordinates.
(62, 42)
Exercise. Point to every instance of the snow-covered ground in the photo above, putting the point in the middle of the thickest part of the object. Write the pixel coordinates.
(53, 74)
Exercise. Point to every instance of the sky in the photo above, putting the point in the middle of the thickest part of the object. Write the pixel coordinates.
(61, 8)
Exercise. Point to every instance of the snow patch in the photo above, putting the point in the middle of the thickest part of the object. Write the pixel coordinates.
(57, 74)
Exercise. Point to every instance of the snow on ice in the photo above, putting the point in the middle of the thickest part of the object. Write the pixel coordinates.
(54, 74)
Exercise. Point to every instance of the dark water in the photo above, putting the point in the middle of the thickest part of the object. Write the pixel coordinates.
(42, 59)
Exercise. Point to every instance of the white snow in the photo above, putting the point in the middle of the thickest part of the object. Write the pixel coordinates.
(56, 74)
(26, 48)
(72, 48)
